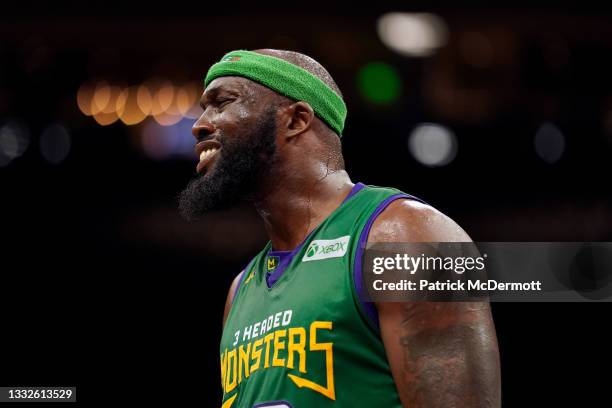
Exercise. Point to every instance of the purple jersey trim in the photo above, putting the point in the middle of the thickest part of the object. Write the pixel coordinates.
(283, 263)
(368, 307)
(273, 404)
(278, 253)
(272, 278)
(356, 188)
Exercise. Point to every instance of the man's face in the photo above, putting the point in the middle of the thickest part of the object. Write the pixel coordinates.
(235, 142)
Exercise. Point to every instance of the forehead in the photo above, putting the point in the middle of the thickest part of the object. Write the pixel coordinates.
(236, 84)
(229, 83)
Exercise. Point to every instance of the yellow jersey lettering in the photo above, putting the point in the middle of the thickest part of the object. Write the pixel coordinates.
(230, 371)
(243, 361)
(256, 354)
(329, 390)
(278, 345)
(228, 403)
(267, 340)
(239, 363)
(223, 362)
(296, 347)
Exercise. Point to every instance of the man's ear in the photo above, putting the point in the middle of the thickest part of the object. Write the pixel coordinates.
(299, 117)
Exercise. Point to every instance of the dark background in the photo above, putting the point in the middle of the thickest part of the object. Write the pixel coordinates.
(104, 287)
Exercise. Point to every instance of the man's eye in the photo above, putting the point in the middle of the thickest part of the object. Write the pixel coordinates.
(224, 102)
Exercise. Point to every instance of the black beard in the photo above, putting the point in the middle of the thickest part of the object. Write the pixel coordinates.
(243, 160)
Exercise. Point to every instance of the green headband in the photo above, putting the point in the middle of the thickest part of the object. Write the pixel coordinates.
(286, 79)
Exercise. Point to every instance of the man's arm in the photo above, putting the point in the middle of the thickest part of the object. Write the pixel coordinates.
(230, 296)
(442, 354)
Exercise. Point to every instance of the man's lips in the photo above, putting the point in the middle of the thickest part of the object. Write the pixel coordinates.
(207, 152)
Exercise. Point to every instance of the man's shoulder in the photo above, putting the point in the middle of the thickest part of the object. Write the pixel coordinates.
(410, 220)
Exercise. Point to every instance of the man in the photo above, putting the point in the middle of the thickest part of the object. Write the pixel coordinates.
(296, 331)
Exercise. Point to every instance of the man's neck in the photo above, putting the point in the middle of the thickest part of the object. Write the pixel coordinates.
(292, 208)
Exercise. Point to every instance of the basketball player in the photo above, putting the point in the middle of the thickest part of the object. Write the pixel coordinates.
(296, 332)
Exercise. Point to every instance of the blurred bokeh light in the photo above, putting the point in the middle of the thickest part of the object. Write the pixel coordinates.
(379, 82)
(55, 143)
(432, 145)
(412, 34)
(549, 143)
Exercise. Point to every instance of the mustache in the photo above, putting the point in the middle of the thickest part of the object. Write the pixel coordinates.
(202, 136)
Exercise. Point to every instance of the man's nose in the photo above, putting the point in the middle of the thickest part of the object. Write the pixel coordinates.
(202, 128)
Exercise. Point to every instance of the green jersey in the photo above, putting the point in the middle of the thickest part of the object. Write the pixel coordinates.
(304, 338)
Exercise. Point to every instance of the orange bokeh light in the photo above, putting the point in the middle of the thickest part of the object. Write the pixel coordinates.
(101, 97)
(166, 103)
(128, 108)
(84, 98)
(162, 98)
(144, 99)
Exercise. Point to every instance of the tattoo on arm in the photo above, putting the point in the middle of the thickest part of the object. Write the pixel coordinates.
(449, 356)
